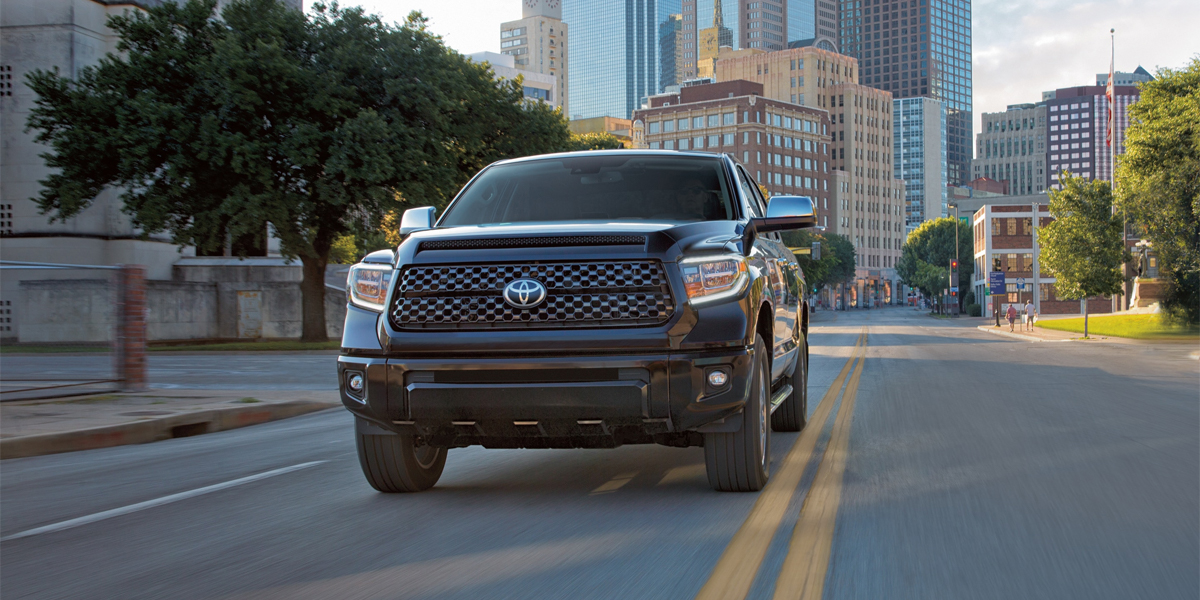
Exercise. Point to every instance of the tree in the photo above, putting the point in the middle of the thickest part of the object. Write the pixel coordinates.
(1082, 247)
(601, 140)
(1158, 181)
(933, 243)
(217, 128)
(837, 257)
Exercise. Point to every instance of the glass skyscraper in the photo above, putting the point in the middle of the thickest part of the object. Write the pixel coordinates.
(918, 48)
(616, 56)
(919, 158)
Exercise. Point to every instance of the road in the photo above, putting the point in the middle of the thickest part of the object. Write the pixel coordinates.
(961, 465)
(193, 371)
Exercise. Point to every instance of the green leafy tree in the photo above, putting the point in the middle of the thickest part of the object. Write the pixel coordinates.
(1082, 247)
(601, 140)
(1158, 181)
(837, 261)
(217, 128)
(933, 243)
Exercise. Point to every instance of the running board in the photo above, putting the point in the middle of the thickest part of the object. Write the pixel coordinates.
(779, 396)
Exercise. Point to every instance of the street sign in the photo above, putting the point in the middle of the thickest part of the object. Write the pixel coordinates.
(1020, 283)
(954, 288)
(996, 282)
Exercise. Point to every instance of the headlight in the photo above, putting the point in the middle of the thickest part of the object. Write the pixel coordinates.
(712, 278)
(368, 285)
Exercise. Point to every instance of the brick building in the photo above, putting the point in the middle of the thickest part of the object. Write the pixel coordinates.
(1007, 233)
(869, 206)
(785, 147)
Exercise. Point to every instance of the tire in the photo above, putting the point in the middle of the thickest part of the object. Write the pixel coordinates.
(740, 461)
(792, 414)
(396, 463)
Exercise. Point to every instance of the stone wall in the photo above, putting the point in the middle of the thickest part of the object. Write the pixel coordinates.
(84, 310)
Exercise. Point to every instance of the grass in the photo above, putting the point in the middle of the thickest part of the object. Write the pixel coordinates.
(1138, 327)
(247, 401)
(271, 346)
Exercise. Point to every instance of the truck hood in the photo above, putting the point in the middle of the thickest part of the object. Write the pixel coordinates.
(661, 238)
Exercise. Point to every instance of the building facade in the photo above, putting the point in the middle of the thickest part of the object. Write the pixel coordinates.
(918, 48)
(68, 36)
(1077, 119)
(801, 75)
(870, 211)
(616, 57)
(1005, 234)
(535, 86)
(919, 158)
(539, 43)
(1139, 75)
(1011, 148)
(785, 147)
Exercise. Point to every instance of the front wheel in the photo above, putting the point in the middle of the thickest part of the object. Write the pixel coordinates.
(792, 414)
(740, 461)
(399, 463)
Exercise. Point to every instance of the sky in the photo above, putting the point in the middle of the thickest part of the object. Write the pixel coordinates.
(1021, 47)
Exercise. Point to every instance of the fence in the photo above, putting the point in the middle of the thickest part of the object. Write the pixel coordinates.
(120, 294)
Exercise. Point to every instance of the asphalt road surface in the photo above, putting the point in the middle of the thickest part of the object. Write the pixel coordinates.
(193, 371)
(951, 463)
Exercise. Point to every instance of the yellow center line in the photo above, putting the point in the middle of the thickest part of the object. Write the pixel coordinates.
(803, 573)
(736, 569)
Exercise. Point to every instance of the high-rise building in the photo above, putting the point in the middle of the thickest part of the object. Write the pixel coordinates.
(918, 48)
(670, 43)
(870, 208)
(1139, 75)
(1077, 119)
(616, 58)
(1011, 148)
(538, 43)
(919, 157)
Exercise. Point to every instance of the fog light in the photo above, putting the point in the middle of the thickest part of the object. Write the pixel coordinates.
(718, 378)
(355, 383)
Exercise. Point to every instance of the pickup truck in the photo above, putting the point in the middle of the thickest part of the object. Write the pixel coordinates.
(582, 300)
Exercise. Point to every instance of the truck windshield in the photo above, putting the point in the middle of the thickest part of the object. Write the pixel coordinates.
(596, 188)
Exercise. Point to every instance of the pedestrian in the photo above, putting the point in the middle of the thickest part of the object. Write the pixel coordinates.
(1011, 315)
(1030, 314)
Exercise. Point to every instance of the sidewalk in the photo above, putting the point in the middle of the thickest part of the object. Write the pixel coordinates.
(36, 427)
(1037, 335)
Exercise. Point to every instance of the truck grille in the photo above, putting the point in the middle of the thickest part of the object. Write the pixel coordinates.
(578, 294)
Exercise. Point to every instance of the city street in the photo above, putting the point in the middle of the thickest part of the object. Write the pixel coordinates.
(975, 466)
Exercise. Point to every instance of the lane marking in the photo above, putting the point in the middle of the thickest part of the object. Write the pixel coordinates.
(615, 483)
(807, 563)
(682, 474)
(739, 563)
(132, 508)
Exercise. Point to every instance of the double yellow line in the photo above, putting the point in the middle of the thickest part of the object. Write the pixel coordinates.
(804, 569)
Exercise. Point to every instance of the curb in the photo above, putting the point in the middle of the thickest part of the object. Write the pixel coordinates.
(153, 430)
(1027, 338)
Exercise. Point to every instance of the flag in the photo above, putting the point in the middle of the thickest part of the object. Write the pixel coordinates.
(1112, 113)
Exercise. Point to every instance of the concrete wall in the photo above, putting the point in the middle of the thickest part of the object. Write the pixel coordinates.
(83, 310)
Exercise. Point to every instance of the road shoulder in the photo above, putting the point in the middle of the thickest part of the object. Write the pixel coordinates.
(37, 427)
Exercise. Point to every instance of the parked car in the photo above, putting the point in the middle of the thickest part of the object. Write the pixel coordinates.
(582, 300)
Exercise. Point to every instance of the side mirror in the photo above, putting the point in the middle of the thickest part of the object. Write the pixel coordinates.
(416, 219)
(787, 212)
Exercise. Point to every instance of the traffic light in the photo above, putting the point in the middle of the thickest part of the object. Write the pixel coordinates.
(995, 264)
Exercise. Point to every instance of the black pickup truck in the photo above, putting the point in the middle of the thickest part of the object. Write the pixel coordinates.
(582, 300)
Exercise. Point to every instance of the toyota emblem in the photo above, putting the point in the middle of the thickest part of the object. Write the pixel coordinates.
(524, 293)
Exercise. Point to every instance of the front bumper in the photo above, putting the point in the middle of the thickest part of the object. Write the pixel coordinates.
(562, 401)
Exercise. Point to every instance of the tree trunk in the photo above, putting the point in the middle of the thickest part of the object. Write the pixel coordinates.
(312, 293)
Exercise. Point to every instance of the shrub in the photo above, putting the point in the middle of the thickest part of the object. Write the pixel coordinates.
(974, 310)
